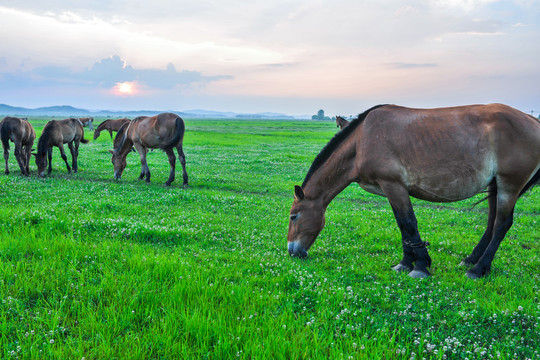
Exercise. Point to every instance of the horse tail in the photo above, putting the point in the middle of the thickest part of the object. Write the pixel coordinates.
(83, 140)
(4, 134)
(535, 180)
(178, 135)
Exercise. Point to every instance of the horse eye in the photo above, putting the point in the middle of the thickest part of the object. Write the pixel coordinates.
(294, 217)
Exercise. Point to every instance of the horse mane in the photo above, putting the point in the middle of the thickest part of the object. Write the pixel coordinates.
(333, 144)
(121, 136)
(44, 138)
(102, 125)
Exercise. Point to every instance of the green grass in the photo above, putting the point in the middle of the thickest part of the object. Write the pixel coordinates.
(103, 269)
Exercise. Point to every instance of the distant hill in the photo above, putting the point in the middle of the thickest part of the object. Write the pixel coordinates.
(70, 111)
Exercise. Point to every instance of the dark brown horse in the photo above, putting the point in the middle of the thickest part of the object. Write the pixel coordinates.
(438, 155)
(57, 133)
(341, 122)
(23, 135)
(164, 131)
(110, 125)
(87, 121)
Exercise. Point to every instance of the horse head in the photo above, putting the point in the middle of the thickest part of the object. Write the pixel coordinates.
(119, 163)
(41, 162)
(305, 223)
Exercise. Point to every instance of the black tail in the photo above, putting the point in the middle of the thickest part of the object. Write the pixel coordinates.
(4, 134)
(180, 129)
(534, 181)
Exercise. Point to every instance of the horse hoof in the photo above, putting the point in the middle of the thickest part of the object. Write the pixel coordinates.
(401, 268)
(472, 275)
(417, 274)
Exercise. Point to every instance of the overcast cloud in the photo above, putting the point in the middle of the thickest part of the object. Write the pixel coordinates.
(285, 56)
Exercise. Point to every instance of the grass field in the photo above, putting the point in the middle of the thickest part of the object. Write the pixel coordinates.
(95, 268)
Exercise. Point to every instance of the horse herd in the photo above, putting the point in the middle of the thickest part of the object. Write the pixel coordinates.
(164, 131)
(437, 155)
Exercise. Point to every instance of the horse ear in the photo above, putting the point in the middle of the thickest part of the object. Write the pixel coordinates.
(298, 193)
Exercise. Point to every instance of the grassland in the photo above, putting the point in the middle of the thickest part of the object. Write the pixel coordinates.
(95, 268)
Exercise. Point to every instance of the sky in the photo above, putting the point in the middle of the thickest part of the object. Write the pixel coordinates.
(286, 56)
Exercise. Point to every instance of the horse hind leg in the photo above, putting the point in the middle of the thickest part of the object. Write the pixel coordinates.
(182, 158)
(73, 150)
(503, 222)
(64, 157)
(27, 155)
(480, 248)
(172, 163)
(19, 156)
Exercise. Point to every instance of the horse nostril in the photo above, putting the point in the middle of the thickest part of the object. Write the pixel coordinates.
(295, 249)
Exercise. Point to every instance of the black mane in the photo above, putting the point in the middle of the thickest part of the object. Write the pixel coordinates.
(332, 145)
(43, 140)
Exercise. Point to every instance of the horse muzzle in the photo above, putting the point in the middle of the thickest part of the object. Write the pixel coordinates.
(117, 176)
(42, 174)
(296, 249)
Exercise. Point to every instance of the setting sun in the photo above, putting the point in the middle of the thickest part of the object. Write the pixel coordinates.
(125, 88)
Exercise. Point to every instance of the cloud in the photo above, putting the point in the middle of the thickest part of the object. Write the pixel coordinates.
(109, 72)
(376, 51)
(400, 65)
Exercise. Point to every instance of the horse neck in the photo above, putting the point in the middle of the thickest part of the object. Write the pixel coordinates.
(102, 125)
(44, 139)
(333, 176)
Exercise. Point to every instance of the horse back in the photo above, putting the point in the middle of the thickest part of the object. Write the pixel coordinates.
(16, 129)
(71, 130)
(447, 154)
(162, 131)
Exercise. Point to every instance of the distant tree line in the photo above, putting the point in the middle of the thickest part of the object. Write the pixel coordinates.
(320, 116)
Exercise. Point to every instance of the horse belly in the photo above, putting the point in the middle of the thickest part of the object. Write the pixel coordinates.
(452, 183)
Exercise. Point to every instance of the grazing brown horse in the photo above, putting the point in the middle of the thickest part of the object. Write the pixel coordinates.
(57, 133)
(110, 125)
(341, 122)
(164, 131)
(438, 155)
(23, 135)
(87, 121)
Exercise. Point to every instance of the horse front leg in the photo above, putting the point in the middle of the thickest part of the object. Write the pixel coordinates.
(182, 158)
(49, 157)
(172, 163)
(415, 253)
(145, 171)
(64, 157)
(482, 245)
(6, 159)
